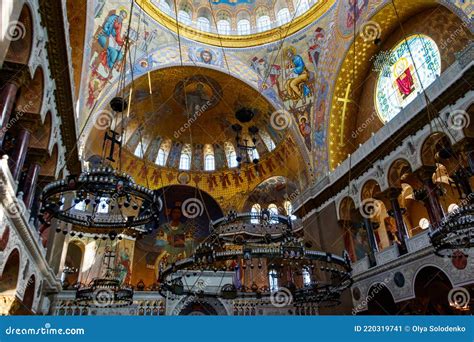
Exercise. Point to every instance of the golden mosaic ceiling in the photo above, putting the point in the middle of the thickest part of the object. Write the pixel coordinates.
(174, 90)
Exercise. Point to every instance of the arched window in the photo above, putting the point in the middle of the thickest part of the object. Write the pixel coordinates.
(273, 212)
(184, 16)
(302, 6)
(263, 23)
(184, 162)
(161, 157)
(283, 16)
(230, 154)
(253, 154)
(243, 27)
(203, 24)
(103, 206)
(306, 277)
(255, 211)
(267, 140)
(412, 65)
(165, 6)
(223, 26)
(139, 150)
(209, 163)
(273, 280)
(289, 210)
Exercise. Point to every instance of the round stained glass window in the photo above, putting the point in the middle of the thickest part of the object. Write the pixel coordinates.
(410, 66)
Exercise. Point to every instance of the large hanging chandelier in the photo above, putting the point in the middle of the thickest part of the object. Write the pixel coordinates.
(454, 235)
(103, 200)
(259, 241)
(246, 148)
(105, 291)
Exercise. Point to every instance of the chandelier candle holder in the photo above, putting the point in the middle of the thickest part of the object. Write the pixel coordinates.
(455, 233)
(273, 244)
(102, 201)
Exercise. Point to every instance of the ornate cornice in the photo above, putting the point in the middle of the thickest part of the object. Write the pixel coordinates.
(52, 18)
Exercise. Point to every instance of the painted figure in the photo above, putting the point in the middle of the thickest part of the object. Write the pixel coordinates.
(111, 39)
(297, 76)
(305, 130)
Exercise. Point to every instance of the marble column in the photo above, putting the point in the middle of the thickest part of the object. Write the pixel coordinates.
(30, 184)
(18, 157)
(431, 198)
(7, 100)
(392, 195)
(368, 224)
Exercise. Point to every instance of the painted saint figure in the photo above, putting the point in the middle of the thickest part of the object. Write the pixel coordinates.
(111, 40)
(298, 76)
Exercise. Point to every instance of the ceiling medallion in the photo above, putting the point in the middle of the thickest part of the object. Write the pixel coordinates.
(261, 241)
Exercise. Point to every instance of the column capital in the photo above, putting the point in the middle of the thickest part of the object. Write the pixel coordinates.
(425, 173)
(14, 73)
(391, 193)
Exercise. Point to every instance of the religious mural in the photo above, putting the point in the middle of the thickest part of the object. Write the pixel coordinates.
(184, 222)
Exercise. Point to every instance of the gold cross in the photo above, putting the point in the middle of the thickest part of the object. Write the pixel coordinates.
(344, 100)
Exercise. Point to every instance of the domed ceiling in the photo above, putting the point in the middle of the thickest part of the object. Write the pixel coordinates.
(163, 120)
(235, 23)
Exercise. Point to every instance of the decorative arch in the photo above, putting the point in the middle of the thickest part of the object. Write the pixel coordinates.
(434, 144)
(344, 127)
(431, 287)
(346, 208)
(397, 170)
(30, 99)
(380, 300)
(273, 190)
(48, 169)
(21, 45)
(10, 272)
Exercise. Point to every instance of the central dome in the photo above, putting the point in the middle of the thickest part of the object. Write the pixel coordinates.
(236, 22)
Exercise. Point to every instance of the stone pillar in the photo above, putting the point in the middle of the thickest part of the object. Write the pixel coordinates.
(19, 153)
(7, 100)
(30, 184)
(372, 242)
(396, 212)
(461, 177)
(431, 195)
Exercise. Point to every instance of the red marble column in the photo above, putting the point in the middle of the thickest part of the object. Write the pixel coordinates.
(431, 192)
(392, 195)
(30, 184)
(19, 154)
(7, 100)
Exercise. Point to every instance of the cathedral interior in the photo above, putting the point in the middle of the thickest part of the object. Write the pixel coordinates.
(236, 157)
